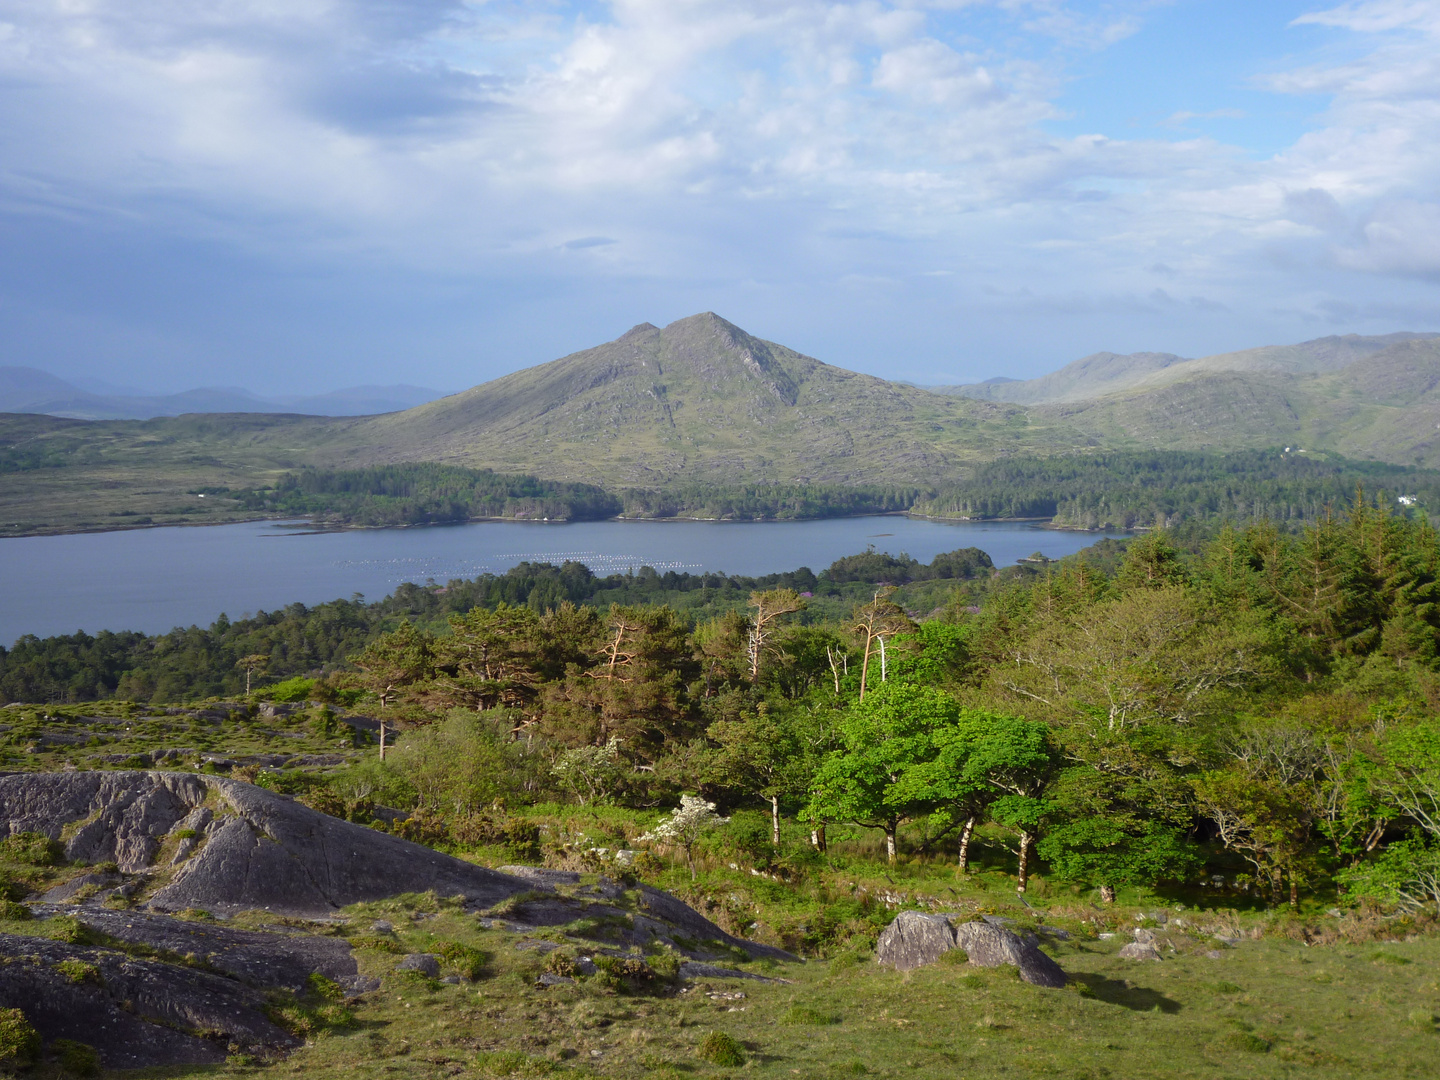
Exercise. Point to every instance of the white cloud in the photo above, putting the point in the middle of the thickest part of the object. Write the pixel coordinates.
(739, 141)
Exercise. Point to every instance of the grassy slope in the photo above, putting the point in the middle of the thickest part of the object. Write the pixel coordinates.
(1266, 1006)
(1383, 406)
(703, 400)
(145, 468)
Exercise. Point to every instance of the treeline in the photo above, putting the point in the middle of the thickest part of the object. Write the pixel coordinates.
(756, 502)
(426, 493)
(193, 663)
(1163, 489)
(1263, 710)
(431, 494)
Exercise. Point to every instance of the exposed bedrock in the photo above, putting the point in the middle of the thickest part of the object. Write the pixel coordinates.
(251, 848)
(135, 1012)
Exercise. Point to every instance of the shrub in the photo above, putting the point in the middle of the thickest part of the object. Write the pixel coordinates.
(562, 962)
(289, 690)
(466, 961)
(623, 972)
(30, 849)
(76, 1058)
(9, 909)
(666, 965)
(719, 1048)
(19, 1041)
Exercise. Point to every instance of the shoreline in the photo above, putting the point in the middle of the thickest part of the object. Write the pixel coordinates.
(304, 527)
(311, 527)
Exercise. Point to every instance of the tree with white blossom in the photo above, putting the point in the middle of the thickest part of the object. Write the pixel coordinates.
(688, 822)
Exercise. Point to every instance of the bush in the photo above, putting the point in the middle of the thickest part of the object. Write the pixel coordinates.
(623, 973)
(76, 1058)
(14, 912)
(19, 1041)
(31, 849)
(296, 689)
(466, 961)
(719, 1048)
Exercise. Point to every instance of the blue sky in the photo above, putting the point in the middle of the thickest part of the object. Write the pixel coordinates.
(293, 195)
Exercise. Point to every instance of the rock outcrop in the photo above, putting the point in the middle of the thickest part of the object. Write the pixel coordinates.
(916, 939)
(250, 848)
(262, 959)
(134, 1012)
(162, 842)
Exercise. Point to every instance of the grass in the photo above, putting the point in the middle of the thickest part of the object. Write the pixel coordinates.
(1118, 1018)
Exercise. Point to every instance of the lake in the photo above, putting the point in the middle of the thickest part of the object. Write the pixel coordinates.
(157, 579)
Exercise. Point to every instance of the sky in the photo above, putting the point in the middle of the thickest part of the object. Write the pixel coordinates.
(298, 195)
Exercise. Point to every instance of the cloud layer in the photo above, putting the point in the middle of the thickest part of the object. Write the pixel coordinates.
(201, 191)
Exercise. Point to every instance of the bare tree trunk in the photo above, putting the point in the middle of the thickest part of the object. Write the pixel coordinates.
(964, 862)
(817, 837)
(835, 671)
(1107, 894)
(775, 820)
(864, 669)
(890, 844)
(883, 670)
(1026, 842)
(382, 740)
(1294, 892)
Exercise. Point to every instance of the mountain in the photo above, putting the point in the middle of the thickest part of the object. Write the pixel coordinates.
(699, 400)
(28, 390)
(1383, 405)
(1090, 376)
(1109, 373)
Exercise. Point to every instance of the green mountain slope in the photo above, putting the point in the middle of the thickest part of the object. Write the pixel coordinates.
(700, 400)
(1109, 373)
(1384, 406)
(1090, 376)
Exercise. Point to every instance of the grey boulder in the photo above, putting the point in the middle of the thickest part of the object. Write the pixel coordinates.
(1140, 950)
(427, 964)
(991, 946)
(915, 939)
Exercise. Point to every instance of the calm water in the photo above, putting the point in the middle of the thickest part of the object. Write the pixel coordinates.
(156, 579)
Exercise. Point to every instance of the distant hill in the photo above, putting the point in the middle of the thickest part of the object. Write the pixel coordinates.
(1090, 376)
(699, 400)
(1383, 405)
(28, 390)
(1109, 373)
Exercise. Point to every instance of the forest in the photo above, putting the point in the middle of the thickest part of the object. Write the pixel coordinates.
(430, 494)
(1098, 490)
(1165, 489)
(1255, 708)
